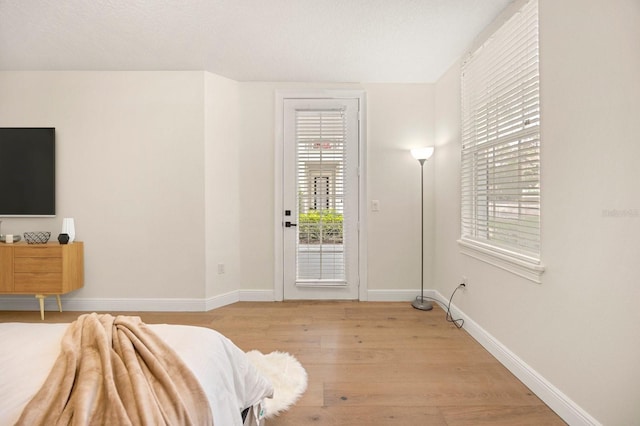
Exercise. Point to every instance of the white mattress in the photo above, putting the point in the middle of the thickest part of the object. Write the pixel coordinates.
(28, 351)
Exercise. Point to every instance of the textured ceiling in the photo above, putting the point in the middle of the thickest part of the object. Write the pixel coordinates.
(246, 40)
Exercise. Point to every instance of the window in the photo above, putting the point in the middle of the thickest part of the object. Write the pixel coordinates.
(321, 156)
(500, 206)
(321, 193)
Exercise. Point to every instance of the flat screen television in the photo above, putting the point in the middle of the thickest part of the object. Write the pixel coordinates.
(27, 171)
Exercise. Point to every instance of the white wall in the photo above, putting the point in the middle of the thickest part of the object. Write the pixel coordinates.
(257, 176)
(579, 328)
(399, 117)
(130, 170)
(169, 174)
(257, 179)
(222, 188)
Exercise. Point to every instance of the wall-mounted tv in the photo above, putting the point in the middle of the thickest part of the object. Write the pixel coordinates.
(27, 171)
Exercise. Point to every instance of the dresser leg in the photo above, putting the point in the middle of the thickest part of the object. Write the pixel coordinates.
(41, 297)
(59, 302)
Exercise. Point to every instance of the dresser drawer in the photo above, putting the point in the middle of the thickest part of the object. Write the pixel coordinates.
(35, 250)
(37, 282)
(37, 264)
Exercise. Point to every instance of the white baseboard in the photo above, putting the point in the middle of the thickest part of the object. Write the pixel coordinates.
(566, 408)
(30, 303)
(257, 296)
(221, 300)
(239, 296)
(71, 304)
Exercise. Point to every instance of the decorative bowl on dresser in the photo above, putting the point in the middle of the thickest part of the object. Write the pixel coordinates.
(40, 237)
(14, 238)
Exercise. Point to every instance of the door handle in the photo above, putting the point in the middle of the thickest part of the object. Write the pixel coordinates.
(289, 224)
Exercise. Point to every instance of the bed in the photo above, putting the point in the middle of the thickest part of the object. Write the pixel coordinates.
(235, 390)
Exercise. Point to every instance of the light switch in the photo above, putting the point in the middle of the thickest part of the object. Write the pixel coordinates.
(375, 205)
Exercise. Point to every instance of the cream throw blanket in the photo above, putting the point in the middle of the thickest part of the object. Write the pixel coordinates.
(116, 371)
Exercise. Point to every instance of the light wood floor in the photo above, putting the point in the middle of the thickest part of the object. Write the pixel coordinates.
(369, 363)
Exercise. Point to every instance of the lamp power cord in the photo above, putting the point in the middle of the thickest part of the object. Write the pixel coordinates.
(458, 322)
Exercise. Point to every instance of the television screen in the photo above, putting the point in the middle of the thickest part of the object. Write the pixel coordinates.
(27, 172)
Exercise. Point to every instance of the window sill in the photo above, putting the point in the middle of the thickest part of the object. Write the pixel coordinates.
(523, 268)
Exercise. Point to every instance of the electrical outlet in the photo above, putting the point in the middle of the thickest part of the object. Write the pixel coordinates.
(465, 281)
(220, 268)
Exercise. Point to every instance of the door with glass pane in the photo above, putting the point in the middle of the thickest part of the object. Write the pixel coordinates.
(320, 199)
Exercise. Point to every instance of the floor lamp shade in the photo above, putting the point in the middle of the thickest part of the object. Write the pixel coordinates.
(422, 155)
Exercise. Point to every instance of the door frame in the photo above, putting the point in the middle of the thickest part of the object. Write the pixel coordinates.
(280, 96)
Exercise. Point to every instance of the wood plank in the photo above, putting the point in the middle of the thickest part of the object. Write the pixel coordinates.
(490, 415)
(359, 416)
(426, 393)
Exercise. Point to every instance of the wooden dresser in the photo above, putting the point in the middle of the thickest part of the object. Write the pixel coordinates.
(41, 269)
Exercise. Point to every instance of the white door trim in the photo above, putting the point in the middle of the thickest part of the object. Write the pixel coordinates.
(281, 95)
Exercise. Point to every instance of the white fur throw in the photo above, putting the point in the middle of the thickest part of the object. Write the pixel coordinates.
(288, 377)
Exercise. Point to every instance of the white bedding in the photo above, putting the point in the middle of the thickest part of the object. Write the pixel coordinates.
(28, 351)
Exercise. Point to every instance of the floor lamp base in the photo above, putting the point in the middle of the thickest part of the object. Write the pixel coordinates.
(422, 304)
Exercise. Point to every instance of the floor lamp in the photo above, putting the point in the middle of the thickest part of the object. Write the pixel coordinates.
(422, 155)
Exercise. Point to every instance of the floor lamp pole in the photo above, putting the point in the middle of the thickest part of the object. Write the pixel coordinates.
(419, 302)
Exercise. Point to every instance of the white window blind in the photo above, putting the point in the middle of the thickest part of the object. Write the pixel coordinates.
(500, 207)
(321, 190)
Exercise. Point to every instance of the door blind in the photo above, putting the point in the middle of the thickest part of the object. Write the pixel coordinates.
(321, 191)
(500, 206)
